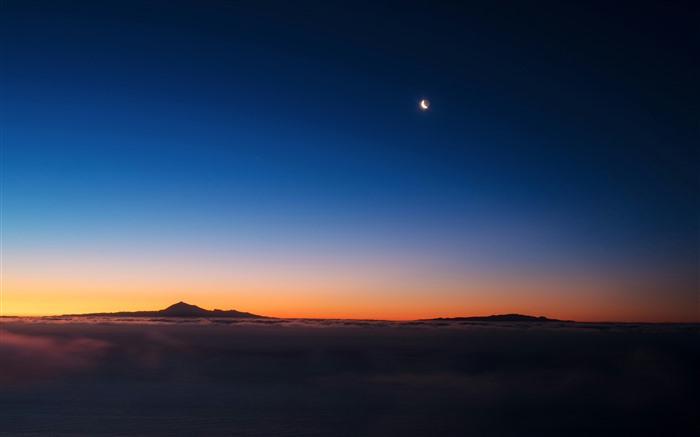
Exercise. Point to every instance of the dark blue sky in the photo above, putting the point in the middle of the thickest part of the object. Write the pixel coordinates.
(562, 136)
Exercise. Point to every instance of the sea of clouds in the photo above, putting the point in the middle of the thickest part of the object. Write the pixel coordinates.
(107, 376)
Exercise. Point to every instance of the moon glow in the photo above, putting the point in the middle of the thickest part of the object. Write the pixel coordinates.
(424, 104)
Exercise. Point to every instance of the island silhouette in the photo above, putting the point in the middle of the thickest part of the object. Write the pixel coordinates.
(501, 318)
(182, 309)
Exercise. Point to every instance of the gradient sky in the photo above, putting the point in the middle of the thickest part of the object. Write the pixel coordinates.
(271, 157)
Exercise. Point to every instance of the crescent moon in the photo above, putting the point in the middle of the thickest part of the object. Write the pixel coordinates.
(424, 104)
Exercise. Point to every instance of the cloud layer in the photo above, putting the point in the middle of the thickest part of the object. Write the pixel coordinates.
(339, 377)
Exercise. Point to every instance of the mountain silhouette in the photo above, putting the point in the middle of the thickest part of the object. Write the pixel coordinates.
(502, 318)
(180, 309)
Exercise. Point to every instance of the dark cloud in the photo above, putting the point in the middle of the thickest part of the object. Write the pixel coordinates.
(32, 357)
(340, 377)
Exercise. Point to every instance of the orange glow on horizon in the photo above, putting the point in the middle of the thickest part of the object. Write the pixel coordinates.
(350, 302)
(379, 287)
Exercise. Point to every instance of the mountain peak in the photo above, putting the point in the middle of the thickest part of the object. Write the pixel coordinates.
(181, 305)
(182, 309)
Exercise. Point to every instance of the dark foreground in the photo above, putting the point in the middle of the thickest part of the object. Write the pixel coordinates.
(338, 378)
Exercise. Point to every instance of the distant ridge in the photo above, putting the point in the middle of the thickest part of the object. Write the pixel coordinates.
(180, 309)
(502, 318)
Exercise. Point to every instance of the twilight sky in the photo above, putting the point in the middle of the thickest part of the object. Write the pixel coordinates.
(271, 157)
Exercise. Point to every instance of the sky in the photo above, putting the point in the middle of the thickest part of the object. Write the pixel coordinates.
(272, 157)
